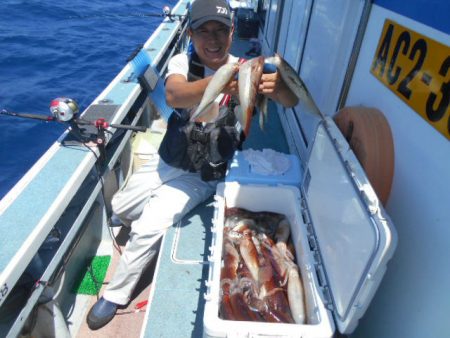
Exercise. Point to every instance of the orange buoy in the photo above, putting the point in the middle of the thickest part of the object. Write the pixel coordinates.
(368, 133)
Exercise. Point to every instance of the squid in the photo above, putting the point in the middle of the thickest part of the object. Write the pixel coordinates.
(283, 231)
(296, 295)
(275, 297)
(241, 308)
(259, 279)
(250, 256)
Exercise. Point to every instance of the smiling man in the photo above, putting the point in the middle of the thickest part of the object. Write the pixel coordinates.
(192, 157)
(194, 147)
(211, 31)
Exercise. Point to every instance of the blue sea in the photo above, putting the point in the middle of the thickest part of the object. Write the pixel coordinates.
(66, 48)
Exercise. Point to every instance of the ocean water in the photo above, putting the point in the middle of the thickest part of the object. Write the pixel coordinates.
(49, 49)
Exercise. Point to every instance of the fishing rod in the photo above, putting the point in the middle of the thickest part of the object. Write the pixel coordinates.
(166, 13)
(27, 116)
(66, 110)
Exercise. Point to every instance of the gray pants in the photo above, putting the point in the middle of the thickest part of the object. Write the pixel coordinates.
(154, 198)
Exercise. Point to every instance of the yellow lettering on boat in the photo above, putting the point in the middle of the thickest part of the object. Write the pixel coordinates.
(417, 69)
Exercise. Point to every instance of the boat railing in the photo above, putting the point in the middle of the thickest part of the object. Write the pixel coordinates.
(63, 192)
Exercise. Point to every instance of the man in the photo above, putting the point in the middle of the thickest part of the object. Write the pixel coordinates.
(187, 169)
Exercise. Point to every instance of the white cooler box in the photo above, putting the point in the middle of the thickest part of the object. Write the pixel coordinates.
(342, 235)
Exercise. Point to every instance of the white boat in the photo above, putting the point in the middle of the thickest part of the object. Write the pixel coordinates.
(390, 56)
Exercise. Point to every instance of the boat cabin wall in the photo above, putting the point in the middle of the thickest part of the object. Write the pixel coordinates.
(317, 38)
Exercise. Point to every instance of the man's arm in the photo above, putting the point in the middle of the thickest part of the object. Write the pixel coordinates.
(181, 93)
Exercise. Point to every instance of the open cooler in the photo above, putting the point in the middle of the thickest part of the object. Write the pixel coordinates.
(342, 236)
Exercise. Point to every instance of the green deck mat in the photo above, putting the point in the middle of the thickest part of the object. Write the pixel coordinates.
(93, 276)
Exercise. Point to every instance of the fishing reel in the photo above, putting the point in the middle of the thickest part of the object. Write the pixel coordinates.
(166, 11)
(64, 109)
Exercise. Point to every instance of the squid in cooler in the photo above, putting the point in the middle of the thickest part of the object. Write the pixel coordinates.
(273, 295)
(261, 222)
(296, 295)
(259, 279)
(241, 308)
(271, 302)
(249, 77)
(250, 256)
(283, 231)
(282, 234)
(238, 287)
(276, 259)
(228, 277)
(285, 258)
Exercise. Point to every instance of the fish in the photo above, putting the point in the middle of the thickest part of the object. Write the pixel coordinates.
(250, 74)
(262, 102)
(220, 79)
(294, 83)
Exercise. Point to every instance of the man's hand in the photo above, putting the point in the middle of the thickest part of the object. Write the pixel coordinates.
(232, 88)
(273, 86)
(270, 84)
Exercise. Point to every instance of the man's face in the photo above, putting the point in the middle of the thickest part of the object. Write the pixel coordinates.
(212, 41)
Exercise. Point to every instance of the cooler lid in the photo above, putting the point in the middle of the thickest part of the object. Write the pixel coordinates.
(349, 229)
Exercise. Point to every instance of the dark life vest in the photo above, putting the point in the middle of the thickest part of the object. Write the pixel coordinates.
(201, 147)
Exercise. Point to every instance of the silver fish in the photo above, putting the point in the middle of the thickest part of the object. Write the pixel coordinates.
(218, 82)
(294, 82)
(249, 77)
